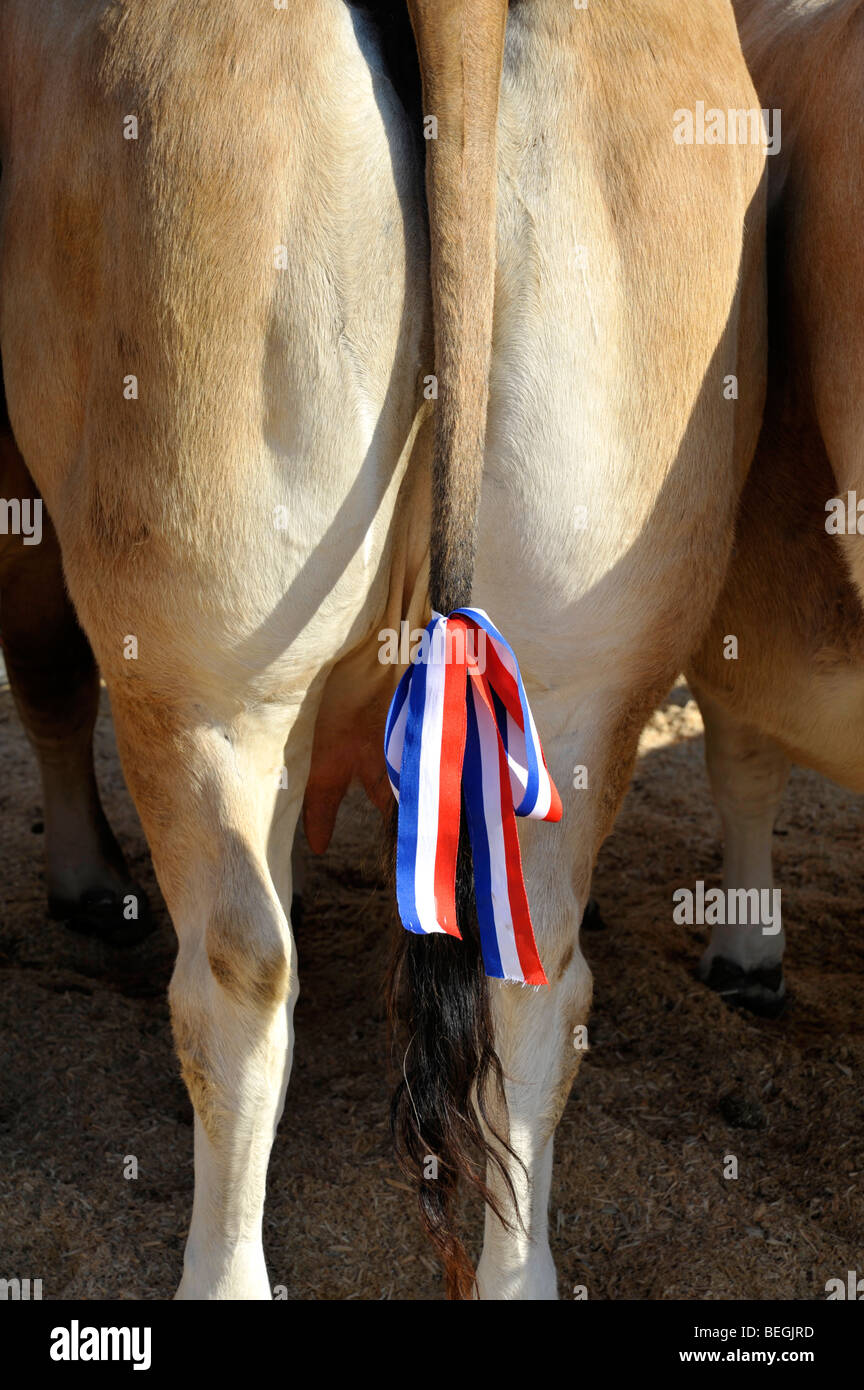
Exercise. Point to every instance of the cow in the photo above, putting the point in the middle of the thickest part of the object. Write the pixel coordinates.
(279, 398)
(55, 685)
(794, 592)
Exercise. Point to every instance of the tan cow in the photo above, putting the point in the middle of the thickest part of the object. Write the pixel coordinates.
(215, 331)
(793, 600)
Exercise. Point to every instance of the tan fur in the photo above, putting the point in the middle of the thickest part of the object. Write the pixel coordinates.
(793, 596)
(460, 45)
(299, 387)
(260, 388)
(606, 392)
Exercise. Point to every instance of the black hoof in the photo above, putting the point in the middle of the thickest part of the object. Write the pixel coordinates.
(591, 919)
(99, 913)
(762, 991)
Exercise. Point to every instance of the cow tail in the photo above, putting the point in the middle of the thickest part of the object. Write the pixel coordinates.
(450, 1072)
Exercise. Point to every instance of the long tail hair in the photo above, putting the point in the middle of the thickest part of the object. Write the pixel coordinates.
(450, 1096)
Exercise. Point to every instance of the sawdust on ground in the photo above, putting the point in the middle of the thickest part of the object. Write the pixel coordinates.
(673, 1083)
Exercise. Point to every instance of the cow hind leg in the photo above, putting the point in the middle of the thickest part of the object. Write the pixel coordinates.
(541, 1036)
(216, 809)
(748, 774)
(55, 685)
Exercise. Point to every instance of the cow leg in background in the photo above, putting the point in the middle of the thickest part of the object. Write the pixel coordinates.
(207, 785)
(55, 685)
(748, 774)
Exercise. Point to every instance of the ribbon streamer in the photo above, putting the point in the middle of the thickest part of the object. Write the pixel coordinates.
(460, 723)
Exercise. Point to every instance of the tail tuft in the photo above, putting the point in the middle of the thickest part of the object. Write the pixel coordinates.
(449, 1103)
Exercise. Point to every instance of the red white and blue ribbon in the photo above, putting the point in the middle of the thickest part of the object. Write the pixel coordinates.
(459, 723)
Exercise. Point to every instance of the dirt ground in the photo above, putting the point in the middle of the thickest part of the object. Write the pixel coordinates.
(673, 1082)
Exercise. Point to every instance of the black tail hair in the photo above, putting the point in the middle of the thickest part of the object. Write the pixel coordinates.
(449, 1100)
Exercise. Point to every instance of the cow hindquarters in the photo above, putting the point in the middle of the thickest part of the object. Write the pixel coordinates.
(215, 801)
